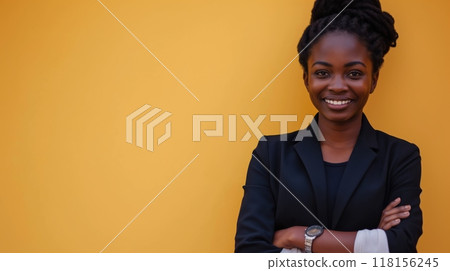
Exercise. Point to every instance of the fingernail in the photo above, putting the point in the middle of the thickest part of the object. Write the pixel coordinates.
(407, 207)
(397, 221)
(406, 213)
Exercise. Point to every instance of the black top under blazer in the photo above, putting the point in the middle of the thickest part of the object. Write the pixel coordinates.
(380, 169)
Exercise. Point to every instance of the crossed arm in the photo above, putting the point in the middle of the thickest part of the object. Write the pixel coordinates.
(339, 241)
(401, 223)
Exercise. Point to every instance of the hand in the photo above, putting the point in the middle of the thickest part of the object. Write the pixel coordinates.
(392, 215)
(290, 237)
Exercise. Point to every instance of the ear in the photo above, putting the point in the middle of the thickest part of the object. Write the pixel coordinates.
(305, 80)
(374, 81)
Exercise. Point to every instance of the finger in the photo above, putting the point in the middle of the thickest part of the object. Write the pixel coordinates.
(385, 220)
(390, 218)
(388, 221)
(391, 224)
(393, 203)
(399, 209)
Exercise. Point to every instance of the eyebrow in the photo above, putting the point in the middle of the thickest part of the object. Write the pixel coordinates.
(353, 63)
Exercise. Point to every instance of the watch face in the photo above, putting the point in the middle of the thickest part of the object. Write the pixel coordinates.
(314, 230)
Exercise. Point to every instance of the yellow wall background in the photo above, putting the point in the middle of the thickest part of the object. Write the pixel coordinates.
(70, 74)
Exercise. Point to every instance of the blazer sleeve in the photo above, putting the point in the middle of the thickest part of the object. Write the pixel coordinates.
(405, 183)
(256, 222)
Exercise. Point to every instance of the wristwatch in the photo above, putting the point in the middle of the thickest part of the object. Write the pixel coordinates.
(311, 233)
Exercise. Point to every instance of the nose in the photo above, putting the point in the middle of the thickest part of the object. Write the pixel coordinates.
(338, 84)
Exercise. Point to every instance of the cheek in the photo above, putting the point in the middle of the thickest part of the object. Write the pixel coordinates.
(316, 86)
(362, 87)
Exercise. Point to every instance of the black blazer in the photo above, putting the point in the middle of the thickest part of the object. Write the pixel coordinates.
(380, 169)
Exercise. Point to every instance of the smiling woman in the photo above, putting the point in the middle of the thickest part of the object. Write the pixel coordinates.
(340, 78)
(357, 191)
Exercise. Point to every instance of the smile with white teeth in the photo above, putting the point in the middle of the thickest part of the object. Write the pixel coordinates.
(337, 102)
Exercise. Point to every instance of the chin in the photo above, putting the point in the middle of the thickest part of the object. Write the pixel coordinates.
(339, 117)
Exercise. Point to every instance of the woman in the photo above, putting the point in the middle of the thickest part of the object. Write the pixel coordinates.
(356, 191)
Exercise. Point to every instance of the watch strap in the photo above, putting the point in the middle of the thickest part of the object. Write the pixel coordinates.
(308, 243)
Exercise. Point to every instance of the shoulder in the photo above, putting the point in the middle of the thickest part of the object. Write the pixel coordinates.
(401, 156)
(269, 145)
(275, 139)
(385, 144)
(394, 144)
(278, 140)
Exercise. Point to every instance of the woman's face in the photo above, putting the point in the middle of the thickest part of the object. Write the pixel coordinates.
(340, 76)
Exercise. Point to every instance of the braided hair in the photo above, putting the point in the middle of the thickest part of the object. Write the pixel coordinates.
(364, 18)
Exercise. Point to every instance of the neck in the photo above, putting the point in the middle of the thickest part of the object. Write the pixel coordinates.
(340, 134)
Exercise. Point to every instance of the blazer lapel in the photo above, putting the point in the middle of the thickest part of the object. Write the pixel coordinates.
(311, 155)
(361, 158)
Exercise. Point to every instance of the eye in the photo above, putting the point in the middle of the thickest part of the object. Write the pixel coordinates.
(321, 74)
(355, 74)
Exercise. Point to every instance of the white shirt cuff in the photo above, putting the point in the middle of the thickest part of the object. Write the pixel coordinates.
(371, 241)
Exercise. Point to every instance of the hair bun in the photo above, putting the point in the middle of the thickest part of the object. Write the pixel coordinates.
(325, 8)
(364, 18)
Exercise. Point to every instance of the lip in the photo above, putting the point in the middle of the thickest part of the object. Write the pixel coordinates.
(337, 104)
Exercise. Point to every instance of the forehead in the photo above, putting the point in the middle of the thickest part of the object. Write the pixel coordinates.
(337, 47)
